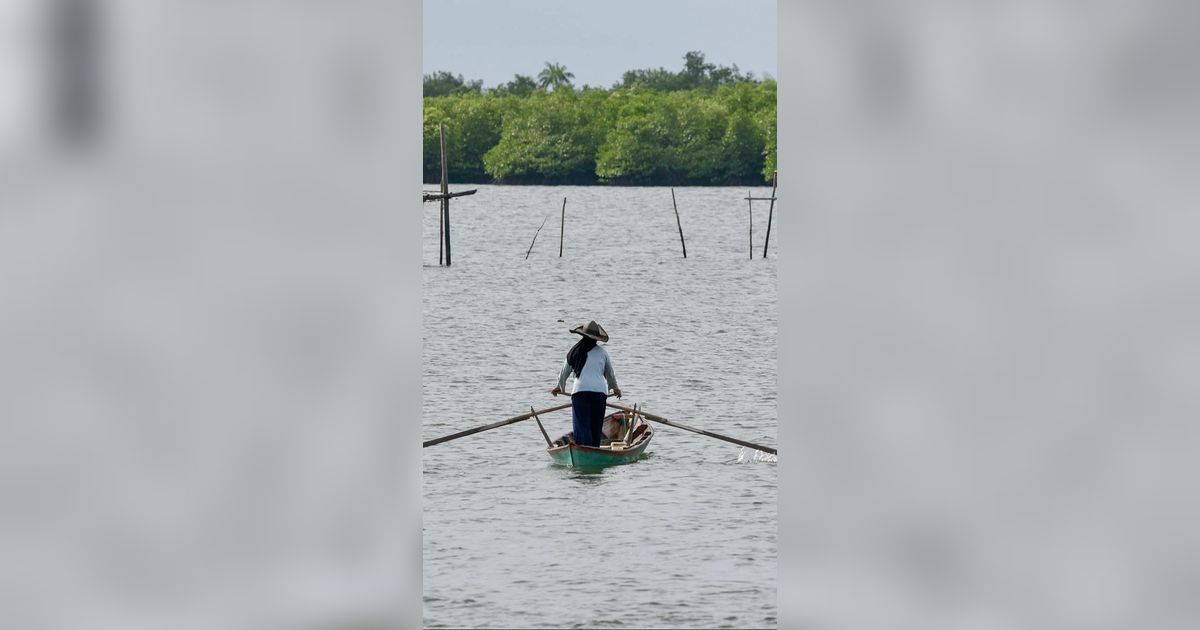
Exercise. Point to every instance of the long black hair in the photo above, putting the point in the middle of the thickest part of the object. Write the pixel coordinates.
(577, 356)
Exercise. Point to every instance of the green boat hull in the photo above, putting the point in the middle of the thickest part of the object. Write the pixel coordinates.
(588, 457)
(565, 452)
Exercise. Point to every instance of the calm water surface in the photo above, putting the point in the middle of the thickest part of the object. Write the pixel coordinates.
(684, 538)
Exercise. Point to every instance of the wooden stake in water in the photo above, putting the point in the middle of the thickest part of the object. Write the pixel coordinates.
(535, 238)
(678, 223)
(749, 194)
(561, 227)
(441, 210)
(445, 196)
(771, 211)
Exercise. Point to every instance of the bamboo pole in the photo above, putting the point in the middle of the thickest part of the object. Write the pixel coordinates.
(445, 195)
(771, 211)
(444, 208)
(632, 421)
(562, 227)
(678, 222)
(524, 416)
(535, 238)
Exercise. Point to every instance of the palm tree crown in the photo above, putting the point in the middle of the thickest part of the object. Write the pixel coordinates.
(554, 75)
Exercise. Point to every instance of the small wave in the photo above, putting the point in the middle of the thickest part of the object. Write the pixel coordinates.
(757, 456)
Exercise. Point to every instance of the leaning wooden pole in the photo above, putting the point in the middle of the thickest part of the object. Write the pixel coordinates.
(543, 429)
(771, 211)
(562, 226)
(445, 197)
(750, 201)
(678, 222)
(539, 230)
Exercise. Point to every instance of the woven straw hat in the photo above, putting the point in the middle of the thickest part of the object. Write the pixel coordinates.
(591, 329)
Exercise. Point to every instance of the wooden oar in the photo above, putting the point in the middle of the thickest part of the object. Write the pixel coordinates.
(494, 425)
(650, 416)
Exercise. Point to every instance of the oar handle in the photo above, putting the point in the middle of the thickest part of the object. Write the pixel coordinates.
(494, 425)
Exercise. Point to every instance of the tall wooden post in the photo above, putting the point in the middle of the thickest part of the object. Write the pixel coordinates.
(750, 201)
(678, 223)
(445, 197)
(771, 211)
(562, 227)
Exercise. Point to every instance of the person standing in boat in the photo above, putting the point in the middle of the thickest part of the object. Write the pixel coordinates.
(593, 377)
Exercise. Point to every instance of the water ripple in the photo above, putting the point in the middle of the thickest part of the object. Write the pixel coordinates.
(512, 541)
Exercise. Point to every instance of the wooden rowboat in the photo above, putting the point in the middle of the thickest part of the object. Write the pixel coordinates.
(626, 439)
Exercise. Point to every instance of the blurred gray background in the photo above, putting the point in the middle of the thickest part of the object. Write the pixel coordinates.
(991, 276)
(208, 420)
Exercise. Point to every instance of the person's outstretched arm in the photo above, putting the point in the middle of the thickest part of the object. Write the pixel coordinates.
(611, 376)
(561, 388)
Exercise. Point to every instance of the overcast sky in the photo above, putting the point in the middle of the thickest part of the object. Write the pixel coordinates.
(597, 40)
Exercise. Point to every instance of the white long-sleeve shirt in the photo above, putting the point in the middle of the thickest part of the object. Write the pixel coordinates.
(596, 376)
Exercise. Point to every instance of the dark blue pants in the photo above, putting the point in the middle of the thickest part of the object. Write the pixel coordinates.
(587, 416)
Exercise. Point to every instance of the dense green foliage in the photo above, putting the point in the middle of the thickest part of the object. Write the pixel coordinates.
(696, 73)
(703, 125)
(445, 83)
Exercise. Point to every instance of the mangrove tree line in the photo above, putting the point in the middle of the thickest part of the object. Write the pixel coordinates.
(702, 125)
